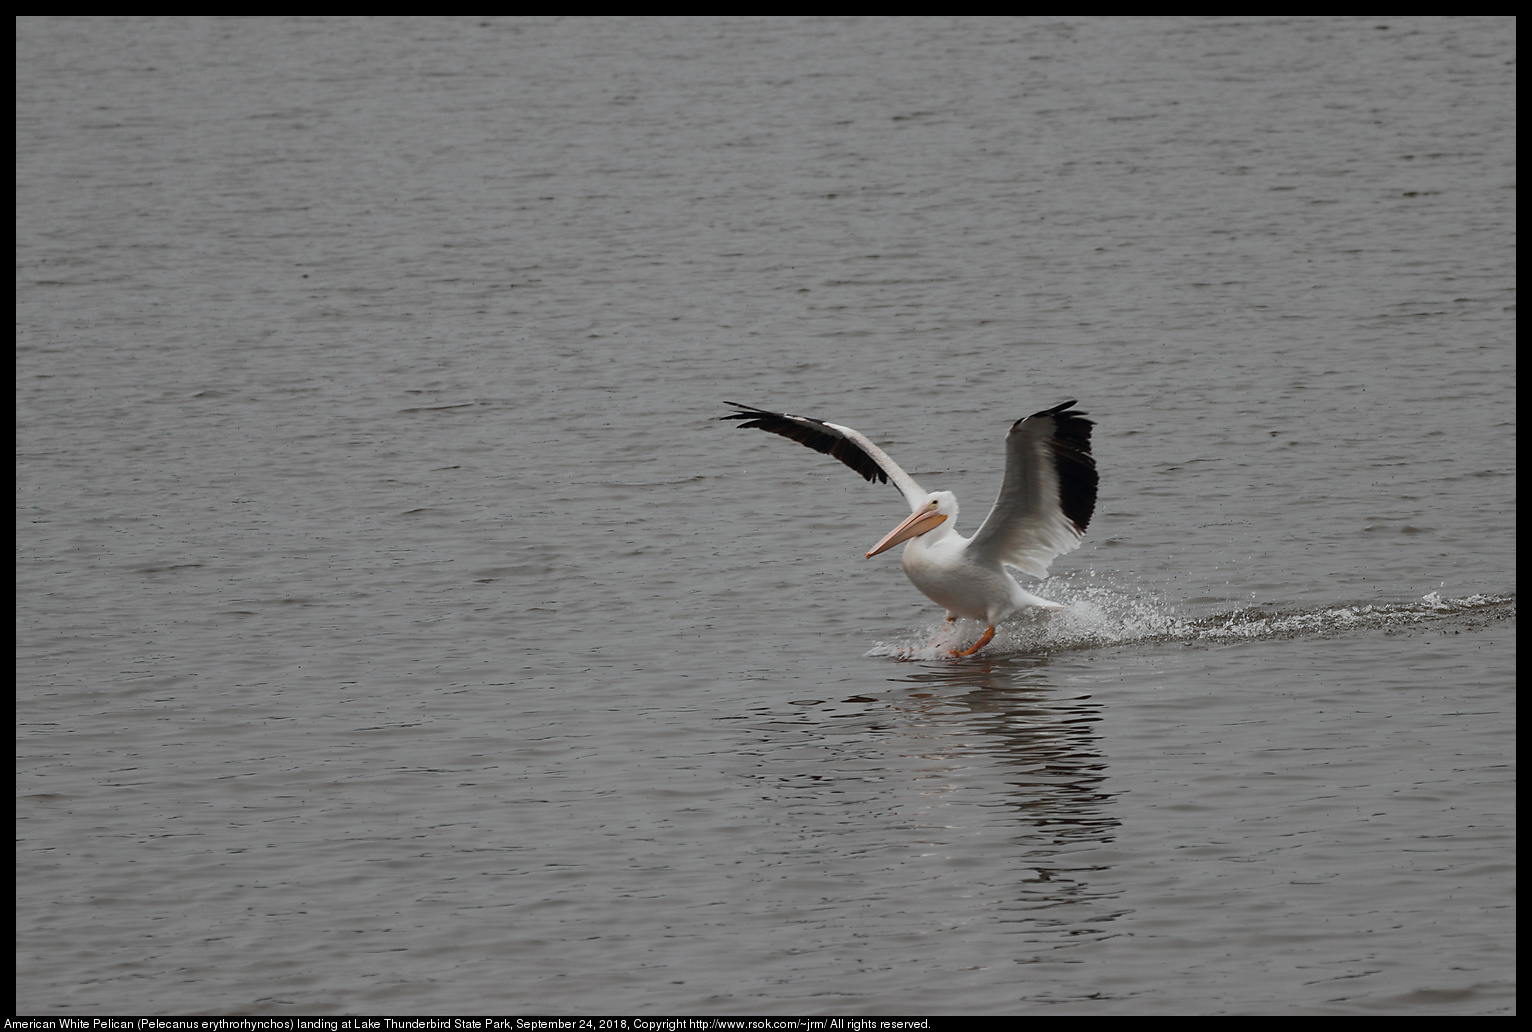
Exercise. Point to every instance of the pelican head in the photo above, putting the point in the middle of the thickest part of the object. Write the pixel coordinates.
(939, 508)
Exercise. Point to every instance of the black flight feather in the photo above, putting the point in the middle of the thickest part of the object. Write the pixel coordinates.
(810, 432)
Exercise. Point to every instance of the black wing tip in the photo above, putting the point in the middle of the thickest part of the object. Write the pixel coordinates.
(1064, 411)
(811, 433)
(1076, 466)
(748, 412)
(1069, 425)
(751, 418)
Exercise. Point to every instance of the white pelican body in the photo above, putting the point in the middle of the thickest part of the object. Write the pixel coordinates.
(950, 573)
(1045, 503)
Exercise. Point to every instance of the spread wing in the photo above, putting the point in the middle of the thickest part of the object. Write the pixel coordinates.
(841, 442)
(1048, 495)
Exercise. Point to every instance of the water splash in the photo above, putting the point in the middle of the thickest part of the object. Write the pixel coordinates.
(1097, 617)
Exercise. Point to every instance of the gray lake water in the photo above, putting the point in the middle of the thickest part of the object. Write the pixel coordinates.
(399, 630)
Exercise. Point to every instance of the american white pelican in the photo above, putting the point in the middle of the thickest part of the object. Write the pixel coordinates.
(1045, 503)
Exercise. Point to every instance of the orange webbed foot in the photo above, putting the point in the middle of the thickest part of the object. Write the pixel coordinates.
(989, 633)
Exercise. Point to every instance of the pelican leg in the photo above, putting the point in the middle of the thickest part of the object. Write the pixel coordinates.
(989, 632)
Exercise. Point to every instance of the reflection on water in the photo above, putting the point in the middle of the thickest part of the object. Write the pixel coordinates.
(1035, 745)
(1042, 736)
